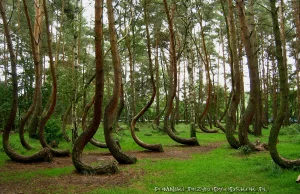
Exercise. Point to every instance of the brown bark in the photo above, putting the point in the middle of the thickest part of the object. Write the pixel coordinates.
(53, 96)
(43, 155)
(131, 76)
(209, 83)
(173, 82)
(235, 76)
(247, 117)
(33, 105)
(93, 141)
(153, 147)
(284, 91)
(111, 108)
(156, 120)
(257, 121)
(33, 126)
(85, 137)
(284, 52)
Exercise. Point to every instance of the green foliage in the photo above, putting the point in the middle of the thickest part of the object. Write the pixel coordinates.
(53, 131)
(5, 103)
(293, 129)
(245, 149)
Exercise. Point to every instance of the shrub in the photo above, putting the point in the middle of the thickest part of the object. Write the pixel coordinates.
(53, 131)
(245, 149)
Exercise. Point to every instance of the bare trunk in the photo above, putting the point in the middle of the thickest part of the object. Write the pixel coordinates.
(153, 147)
(53, 96)
(173, 82)
(85, 137)
(43, 155)
(284, 91)
(111, 108)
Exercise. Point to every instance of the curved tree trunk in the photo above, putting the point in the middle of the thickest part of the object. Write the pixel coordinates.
(209, 84)
(85, 137)
(53, 96)
(247, 117)
(284, 91)
(173, 82)
(93, 141)
(43, 155)
(235, 76)
(153, 147)
(112, 107)
(36, 96)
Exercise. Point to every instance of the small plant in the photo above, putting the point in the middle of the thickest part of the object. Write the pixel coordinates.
(245, 149)
(53, 131)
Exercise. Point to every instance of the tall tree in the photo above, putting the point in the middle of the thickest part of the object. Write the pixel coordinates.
(43, 155)
(85, 137)
(53, 96)
(153, 147)
(252, 61)
(173, 80)
(37, 31)
(112, 107)
(284, 95)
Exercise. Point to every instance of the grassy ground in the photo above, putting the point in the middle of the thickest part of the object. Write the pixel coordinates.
(222, 170)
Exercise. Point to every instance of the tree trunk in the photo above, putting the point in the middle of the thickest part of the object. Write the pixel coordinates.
(254, 77)
(33, 126)
(209, 83)
(257, 122)
(85, 137)
(111, 108)
(284, 52)
(157, 119)
(284, 94)
(153, 147)
(53, 96)
(236, 87)
(43, 155)
(93, 141)
(173, 82)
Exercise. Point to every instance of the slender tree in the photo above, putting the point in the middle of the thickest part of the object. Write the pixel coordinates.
(112, 107)
(43, 155)
(253, 74)
(173, 80)
(284, 95)
(53, 96)
(153, 147)
(86, 136)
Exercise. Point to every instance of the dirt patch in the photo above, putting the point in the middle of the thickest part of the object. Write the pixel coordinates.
(78, 183)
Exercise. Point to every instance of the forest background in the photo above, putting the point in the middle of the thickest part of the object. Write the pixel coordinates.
(160, 62)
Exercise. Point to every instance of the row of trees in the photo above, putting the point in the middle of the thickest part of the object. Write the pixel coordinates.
(173, 61)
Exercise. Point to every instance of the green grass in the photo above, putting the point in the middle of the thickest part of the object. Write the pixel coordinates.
(208, 172)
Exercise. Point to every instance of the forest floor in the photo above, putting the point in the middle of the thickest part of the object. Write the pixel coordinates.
(74, 182)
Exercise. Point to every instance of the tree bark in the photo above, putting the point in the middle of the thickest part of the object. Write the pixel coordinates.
(93, 141)
(86, 136)
(53, 96)
(235, 77)
(43, 155)
(153, 147)
(37, 111)
(253, 74)
(111, 108)
(173, 82)
(284, 91)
